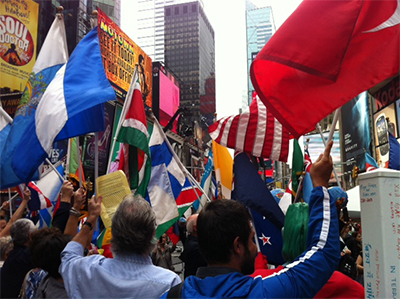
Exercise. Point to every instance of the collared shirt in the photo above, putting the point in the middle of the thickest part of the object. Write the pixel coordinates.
(128, 276)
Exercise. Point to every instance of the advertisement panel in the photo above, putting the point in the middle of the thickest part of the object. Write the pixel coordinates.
(385, 121)
(356, 133)
(18, 36)
(104, 144)
(387, 94)
(120, 55)
(169, 99)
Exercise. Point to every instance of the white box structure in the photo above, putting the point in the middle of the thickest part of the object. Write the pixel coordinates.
(380, 220)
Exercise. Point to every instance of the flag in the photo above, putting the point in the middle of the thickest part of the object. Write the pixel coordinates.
(223, 165)
(135, 156)
(45, 194)
(255, 132)
(5, 126)
(268, 218)
(75, 163)
(166, 183)
(205, 183)
(324, 55)
(72, 105)
(370, 163)
(53, 55)
(287, 198)
(251, 190)
(394, 153)
(297, 166)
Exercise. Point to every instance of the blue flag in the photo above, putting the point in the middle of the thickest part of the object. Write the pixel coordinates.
(205, 182)
(72, 105)
(52, 57)
(251, 190)
(394, 153)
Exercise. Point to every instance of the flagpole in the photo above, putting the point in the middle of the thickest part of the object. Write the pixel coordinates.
(334, 121)
(96, 160)
(127, 104)
(254, 227)
(9, 200)
(55, 169)
(68, 157)
(184, 170)
(323, 140)
(79, 162)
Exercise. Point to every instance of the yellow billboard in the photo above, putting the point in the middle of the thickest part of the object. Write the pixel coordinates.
(18, 36)
(120, 55)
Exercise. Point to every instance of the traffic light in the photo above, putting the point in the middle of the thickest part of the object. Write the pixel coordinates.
(355, 172)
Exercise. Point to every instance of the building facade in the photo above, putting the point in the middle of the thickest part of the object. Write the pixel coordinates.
(260, 26)
(190, 53)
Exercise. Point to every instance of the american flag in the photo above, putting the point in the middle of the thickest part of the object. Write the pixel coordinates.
(255, 132)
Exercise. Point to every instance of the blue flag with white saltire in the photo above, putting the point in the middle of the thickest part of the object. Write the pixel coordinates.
(72, 105)
(53, 55)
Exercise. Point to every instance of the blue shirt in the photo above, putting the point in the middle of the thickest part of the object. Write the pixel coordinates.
(128, 276)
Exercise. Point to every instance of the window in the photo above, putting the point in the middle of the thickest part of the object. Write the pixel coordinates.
(185, 9)
(168, 12)
(177, 10)
(194, 8)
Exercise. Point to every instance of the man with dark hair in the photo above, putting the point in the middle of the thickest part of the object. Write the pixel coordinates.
(130, 274)
(226, 236)
(45, 247)
(191, 255)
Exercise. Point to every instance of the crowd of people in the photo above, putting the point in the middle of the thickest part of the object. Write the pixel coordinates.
(220, 254)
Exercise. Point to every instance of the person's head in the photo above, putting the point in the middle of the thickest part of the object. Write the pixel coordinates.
(357, 236)
(225, 235)
(20, 231)
(6, 245)
(45, 249)
(141, 59)
(3, 222)
(133, 227)
(191, 225)
(163, 239)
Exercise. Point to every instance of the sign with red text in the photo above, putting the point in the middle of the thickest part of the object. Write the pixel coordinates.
(120, 55)
(18, 35)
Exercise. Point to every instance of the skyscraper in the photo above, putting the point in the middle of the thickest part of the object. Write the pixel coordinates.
(111, 8)
(260, 26)
(190, 53)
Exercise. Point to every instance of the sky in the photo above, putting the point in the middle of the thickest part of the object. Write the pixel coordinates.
(227, 17)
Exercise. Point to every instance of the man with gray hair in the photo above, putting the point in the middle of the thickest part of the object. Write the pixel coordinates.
(130, 274)
(18, 262)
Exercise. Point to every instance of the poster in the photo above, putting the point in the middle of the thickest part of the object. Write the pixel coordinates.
(18, 36)
(104, 144)
(385, 121)
(120, 55)
(356, 133)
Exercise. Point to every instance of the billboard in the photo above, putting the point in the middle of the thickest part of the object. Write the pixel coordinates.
(166, 95)
(18, 35)
(356, 132)
(120, 55)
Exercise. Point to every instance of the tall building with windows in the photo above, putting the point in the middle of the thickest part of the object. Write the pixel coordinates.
(260, 26)
(190, 53)
(111, 8)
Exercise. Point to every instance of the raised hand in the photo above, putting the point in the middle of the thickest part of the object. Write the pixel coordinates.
(322, 168)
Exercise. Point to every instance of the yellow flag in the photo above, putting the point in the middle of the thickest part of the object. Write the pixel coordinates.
(223, 164)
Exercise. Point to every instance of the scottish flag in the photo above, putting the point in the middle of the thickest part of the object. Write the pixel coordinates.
(5, 125)
(72, 105)
(52, 56)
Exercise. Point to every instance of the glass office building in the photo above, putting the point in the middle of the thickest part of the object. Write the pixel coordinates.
(190, 53)
(260, 26)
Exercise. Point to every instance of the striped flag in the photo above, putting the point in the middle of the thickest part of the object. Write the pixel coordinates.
(169, 191)
(255, 132)
(135, 153)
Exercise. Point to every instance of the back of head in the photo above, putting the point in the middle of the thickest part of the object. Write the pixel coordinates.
(45, 248)
(6, 246)
(133, 227)
(20, 231)
(192, 224)
(218, 224)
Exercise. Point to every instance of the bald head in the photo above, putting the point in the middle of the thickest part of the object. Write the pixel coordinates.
(191, 225)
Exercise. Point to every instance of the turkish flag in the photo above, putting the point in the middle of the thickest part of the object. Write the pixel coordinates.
(325, 54)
